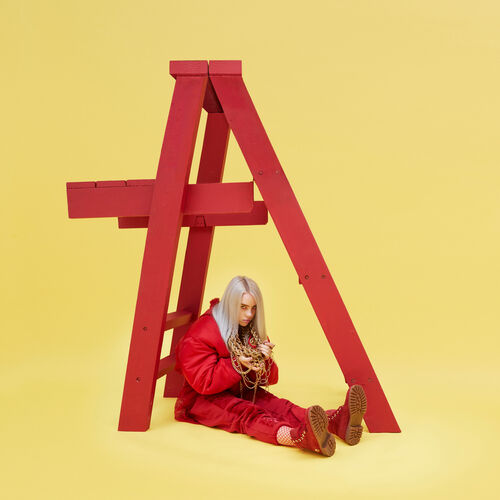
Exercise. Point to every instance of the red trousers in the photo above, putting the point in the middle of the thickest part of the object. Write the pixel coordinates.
(260, 420)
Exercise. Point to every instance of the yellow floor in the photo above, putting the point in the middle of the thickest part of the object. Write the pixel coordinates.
(61, 441)
(385, 118)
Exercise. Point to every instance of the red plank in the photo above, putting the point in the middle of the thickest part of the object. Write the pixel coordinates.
(166, 365)
(301, 246)
(178, 318)
(188, 68)
(133, 222)
(211, 104)
(219, 198)
(134, 199)
(79, 185)
(140, 182)
(257, 217)
(199, 244)
(100, 184)
(122, 201)
(160, 250)
(222, 68)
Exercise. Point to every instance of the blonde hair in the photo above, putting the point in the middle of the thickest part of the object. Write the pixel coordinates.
(226, 312)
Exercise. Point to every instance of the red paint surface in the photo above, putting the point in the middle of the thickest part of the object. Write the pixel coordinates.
(165, 204)
(165, 218)
(258, 216)
(302, 248)
(199, 245)
(133, 199)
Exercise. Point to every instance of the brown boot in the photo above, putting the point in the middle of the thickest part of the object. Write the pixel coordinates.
(346, 420)
(312, 434)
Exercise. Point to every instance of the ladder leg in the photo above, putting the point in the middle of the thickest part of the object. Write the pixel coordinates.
(302, 248)
(199, 243)
(159, 254)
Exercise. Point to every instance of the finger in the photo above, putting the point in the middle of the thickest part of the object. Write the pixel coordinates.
(245, 361)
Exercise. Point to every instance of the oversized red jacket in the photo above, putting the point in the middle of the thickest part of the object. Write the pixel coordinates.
(204, 360)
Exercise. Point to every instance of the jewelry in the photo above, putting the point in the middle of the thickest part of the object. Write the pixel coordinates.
(241, 344)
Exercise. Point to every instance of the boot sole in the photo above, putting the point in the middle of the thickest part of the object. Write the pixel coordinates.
(357, 409)
(319, 425)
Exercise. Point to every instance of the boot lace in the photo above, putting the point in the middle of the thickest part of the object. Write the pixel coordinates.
(334, 415)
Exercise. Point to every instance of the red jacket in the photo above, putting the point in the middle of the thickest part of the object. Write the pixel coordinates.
(205, 362)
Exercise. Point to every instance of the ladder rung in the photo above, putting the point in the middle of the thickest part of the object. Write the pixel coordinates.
(177, 318)
(166, 365)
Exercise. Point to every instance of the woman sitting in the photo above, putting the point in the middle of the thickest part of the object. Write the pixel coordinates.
(227, 360)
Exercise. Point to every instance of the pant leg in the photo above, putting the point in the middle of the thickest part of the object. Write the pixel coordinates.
(281, 408)
(233, 414)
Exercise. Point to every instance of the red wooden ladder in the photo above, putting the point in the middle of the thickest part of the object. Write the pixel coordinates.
(167, 203)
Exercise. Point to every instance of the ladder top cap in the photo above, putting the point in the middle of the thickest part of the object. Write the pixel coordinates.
(188, 68)
(219, 68)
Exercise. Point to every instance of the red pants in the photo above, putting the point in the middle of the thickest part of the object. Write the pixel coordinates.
(260, 420)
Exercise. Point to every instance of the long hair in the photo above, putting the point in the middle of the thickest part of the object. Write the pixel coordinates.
(227, 310)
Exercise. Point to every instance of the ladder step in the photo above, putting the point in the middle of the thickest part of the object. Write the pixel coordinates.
(175, 319)
(258, 216)
(178, 318)
(134, 198)
(166, 365)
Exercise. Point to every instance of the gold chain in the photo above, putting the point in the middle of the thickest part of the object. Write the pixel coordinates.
(239, 345)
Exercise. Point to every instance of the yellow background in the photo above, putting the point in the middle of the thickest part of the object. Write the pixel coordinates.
(385, 118)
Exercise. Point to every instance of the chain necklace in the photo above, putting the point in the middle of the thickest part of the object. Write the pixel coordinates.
(244, 342)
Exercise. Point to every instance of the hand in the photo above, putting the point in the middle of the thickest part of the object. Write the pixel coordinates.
(246, 361)
(266, 349)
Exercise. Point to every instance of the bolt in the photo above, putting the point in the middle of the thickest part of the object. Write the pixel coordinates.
(261, 172)
(145, 328)
(323, 276)
(138, 379)
(306, 276)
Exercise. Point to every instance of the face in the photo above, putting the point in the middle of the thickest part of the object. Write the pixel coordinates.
(247, 309)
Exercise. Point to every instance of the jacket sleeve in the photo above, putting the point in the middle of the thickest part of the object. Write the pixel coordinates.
(205, 371)
(273, 375)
